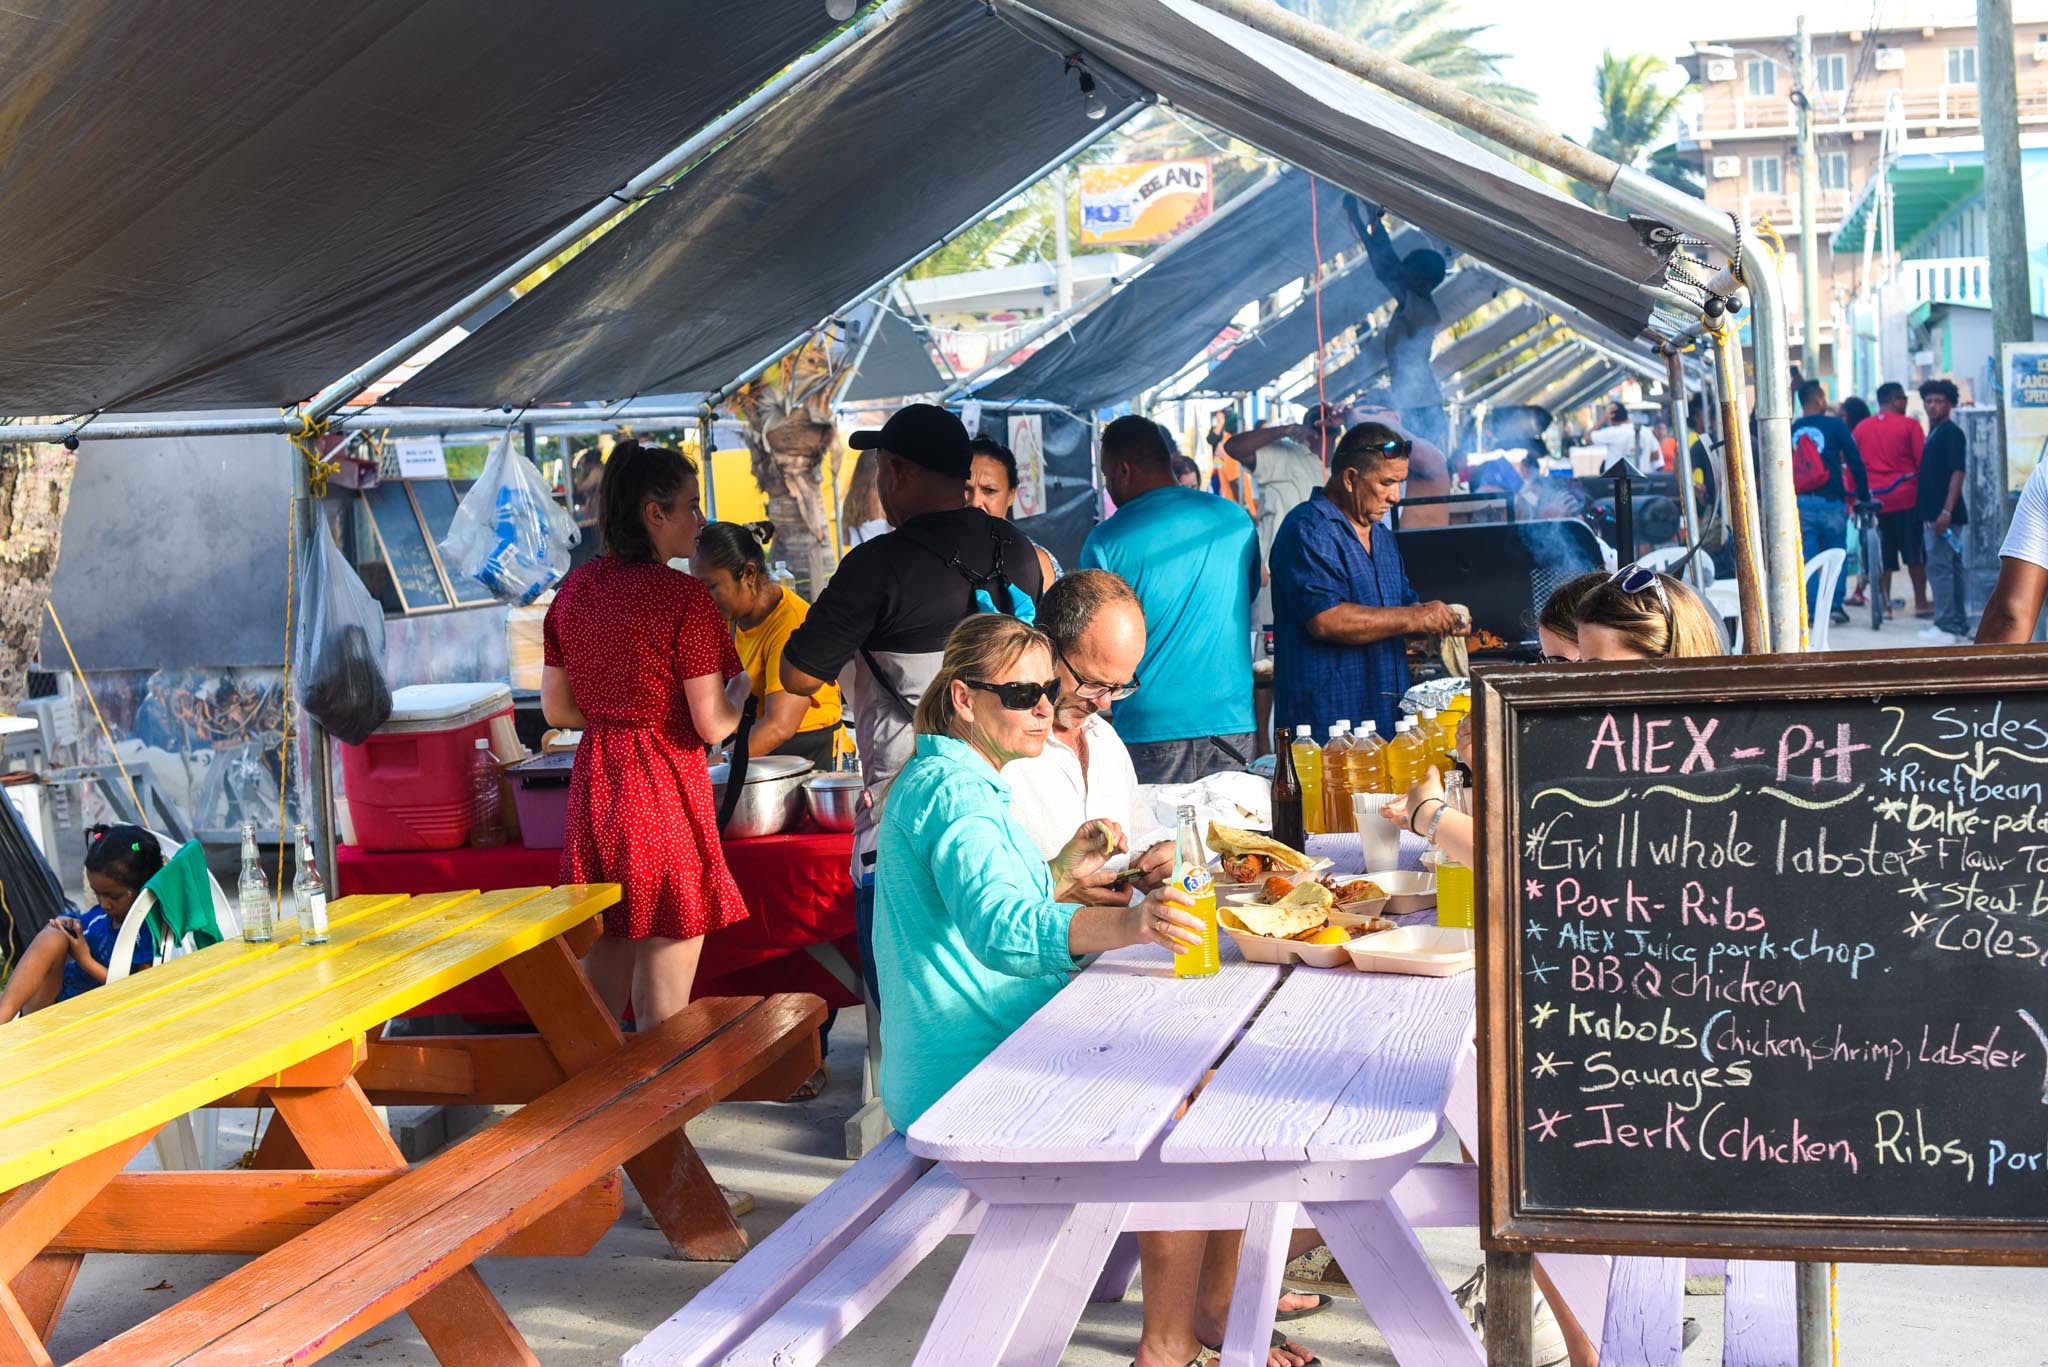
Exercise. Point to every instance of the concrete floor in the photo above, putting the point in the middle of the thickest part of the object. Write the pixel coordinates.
(589, 1310)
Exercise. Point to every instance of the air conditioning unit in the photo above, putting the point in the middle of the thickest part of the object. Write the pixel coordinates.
(1727, 168)
(1721, 69)
(2041, 49)
(1891, 59)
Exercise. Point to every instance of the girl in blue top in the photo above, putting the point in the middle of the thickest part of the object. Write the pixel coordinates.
(70, 955)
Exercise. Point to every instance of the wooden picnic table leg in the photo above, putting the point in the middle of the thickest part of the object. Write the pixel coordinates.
(462, 1322)
(981, 1322)
(30, 1217)
(43, 1286)
(1385, 1264)
(676, 1187)
(1260, 1263)
(1067, 1288)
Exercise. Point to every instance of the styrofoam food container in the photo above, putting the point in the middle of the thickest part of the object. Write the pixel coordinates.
(1427, 951)
(1269, 949)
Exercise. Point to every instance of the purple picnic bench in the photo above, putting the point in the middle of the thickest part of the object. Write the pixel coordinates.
(1328, 1087)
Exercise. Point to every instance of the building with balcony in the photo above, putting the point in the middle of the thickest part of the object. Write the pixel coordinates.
(1917, 82)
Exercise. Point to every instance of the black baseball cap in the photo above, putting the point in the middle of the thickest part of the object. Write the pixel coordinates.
(923, 434)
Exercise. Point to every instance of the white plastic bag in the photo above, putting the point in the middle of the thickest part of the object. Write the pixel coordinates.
(338, 645)
(509, 534)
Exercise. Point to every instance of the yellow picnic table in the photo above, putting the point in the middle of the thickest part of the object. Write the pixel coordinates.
(86, 1083)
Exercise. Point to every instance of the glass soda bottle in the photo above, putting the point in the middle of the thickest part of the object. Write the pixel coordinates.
(309, 895)
(1455, 902)
(1337, 778)
(1191, 873)
(1308, 770)
(252, 898)
(1288, 820)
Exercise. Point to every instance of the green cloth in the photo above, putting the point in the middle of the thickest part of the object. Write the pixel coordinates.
(968, 940)
(184, 900)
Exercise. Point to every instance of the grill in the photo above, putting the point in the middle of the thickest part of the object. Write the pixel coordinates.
(1502, 571)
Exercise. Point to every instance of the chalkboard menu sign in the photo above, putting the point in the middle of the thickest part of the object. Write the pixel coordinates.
(405, 546)
(1765, 956)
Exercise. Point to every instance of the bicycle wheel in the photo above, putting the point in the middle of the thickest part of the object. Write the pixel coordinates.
(1873, 566)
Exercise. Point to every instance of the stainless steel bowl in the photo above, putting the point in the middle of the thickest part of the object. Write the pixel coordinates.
(833, 799)
(773, 797)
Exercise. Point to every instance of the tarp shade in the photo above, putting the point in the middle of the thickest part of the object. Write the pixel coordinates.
(1482, 341)
(1323, 121)
(1542, 376)
(1072, 504)
(879, 155)
(898, 362)
(1281, 343)
(1593, 375)
(1503, 362)
(1466, 290)
(235, 206)
(1155, 324)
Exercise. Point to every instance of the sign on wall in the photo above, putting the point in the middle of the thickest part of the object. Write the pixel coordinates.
(1027, 444)
(1144, 201)
(2026, 409)
(420, 458)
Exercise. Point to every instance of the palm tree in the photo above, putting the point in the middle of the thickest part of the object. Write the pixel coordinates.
(1427, 35)
(1637, 105)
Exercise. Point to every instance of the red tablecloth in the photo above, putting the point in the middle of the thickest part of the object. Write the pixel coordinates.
(797, 885)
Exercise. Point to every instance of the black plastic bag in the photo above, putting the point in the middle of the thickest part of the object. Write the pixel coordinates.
(338, 654)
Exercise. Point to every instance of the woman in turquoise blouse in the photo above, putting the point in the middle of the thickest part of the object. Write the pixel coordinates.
(971, 934)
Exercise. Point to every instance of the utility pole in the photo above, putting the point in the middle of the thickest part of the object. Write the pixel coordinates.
(1063, 253)
(2012, 308)
(1809, 207)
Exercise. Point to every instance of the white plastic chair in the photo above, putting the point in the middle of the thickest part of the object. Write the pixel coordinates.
(181, 1146)
(1827, 569)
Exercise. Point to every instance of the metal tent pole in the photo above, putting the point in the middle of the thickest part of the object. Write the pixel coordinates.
(1674, 382)
(1060, 318)
(710, 135)
(399, 423)
(1639, 191)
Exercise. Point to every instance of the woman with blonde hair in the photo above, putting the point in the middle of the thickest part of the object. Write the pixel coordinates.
(1640, 614)
(975, 930)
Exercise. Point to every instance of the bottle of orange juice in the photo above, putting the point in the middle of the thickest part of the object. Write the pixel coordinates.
(1191, 873)
(1435, 737)
(1308, 768)
(1450, 722)
(1407, 756)
(1369, 761)
(1337, 779)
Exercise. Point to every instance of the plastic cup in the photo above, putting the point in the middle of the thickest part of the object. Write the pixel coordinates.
(1379, 839)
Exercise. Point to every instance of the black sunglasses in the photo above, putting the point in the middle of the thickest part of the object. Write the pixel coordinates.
(1400, 448)
(1018, 697)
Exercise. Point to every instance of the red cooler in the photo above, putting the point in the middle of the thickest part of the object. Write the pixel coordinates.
(408, 784)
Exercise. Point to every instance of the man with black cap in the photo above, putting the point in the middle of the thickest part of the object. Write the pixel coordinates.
(895, 599)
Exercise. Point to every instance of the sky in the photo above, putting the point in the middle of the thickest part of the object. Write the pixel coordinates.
(1557, 60)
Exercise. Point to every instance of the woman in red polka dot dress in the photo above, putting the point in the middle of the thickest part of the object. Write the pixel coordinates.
(639, 659)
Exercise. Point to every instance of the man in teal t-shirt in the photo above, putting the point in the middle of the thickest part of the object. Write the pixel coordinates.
(1194, 560)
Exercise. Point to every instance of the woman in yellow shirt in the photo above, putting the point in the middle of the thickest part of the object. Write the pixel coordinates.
(732, 560)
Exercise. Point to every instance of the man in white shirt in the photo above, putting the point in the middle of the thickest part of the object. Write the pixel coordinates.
(1624, 437)
(1085, 774)
(2015, 605)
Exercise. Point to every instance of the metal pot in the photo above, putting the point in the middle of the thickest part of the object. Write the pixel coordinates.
(772, 799)
(833, 799)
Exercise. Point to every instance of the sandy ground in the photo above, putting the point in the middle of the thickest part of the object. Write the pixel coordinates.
(589, 1310)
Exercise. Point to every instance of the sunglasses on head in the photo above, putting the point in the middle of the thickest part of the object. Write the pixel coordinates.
(1399, 448)
(1635, 579)
(1018, 697)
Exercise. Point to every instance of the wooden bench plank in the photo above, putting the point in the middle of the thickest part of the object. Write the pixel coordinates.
(755, 1288)
(246, 1212)
(1101, 1068)
(814, 1321)
(98, 1099)
(1645, 1313)
(1760, 1321)
(311, 1296)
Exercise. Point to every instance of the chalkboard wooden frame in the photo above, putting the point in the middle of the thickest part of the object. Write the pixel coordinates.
(1504, 696)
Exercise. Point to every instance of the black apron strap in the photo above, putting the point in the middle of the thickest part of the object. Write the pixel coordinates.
(736, 767)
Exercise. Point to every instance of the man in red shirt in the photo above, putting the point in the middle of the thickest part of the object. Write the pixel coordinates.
(1891, 443)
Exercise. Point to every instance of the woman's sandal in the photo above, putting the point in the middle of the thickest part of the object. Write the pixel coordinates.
(1279, 1341)
(1316, 1272)
(1322, 1303)
(814, 1087)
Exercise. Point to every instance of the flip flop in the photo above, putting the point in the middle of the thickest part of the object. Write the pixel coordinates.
(813, 1087)
(1322, 1303)
(1279, 1341)
(1206, 1358)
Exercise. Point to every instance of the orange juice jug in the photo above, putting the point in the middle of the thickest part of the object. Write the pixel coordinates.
(1369, 761)
(1436, 737)
(1308, 768)
(1337, 779)
(1407, 756)
(1191, 874)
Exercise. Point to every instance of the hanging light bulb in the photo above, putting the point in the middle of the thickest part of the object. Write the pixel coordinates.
(1093, 106)
(841, 10)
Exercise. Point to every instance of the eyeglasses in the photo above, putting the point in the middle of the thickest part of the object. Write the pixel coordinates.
(1019, 697)
(1400, 448)
(1088, 690)
(1638, 578)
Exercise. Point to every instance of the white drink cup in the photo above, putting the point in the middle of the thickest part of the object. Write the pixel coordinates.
(1379, 839)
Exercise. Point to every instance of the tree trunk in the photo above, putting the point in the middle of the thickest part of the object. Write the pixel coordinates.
(35, 486)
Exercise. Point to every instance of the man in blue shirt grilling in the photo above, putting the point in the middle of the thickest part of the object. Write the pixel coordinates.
(1342, 604)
